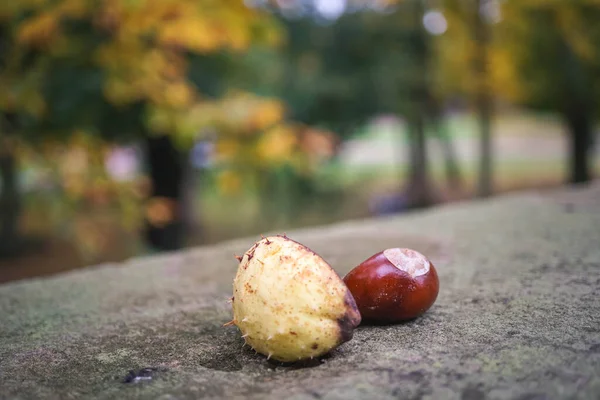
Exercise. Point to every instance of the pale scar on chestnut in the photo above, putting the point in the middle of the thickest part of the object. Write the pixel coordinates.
(407, 260)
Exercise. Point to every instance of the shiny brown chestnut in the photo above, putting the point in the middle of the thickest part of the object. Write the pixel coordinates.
(394, 285)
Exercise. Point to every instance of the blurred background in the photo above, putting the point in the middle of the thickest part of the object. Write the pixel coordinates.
(131, 127)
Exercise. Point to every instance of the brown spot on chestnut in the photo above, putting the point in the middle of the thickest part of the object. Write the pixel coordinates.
(350, 320)
(314, 346)
(394, 285)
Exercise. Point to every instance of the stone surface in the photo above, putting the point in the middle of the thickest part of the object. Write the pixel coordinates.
(518, 316)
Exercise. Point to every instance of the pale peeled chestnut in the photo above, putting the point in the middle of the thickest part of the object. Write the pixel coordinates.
(394, 285)
(289, 304)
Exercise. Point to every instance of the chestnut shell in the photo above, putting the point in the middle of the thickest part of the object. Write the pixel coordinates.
(387, 294)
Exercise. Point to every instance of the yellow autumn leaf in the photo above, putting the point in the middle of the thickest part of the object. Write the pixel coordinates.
(266, 114)
(73, 8)
(503, 75)
(160, 119)
(38, 30)
(195, 32)
(118, 91)
(277, 145)
(229, 182)
(227, 149)
(160, 211)
(180, 94)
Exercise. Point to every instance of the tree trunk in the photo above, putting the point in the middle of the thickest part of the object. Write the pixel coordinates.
(577, 109)
(192, 226)
(483, 104)
(418, 190)
(11, 240)
(10, 204)
(580, 134)
(453, 172)
(165, 227)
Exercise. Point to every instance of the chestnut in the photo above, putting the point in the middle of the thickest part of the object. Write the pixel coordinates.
(288, 303)
(394, 285)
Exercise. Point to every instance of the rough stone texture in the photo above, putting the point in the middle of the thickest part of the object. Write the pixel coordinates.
(518, 316)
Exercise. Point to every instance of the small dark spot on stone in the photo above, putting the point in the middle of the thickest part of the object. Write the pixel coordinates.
(595, 347)
(314, 346)
(512, 333)
(472, 393)
(475, 300)
(458, 376)
(543, 268)
(144, 374)
(532, 396)
(416, 376)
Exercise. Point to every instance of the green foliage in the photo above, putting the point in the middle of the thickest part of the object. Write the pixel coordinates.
(337, 76)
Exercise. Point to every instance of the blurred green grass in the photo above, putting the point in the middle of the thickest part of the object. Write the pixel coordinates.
(358, 184)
